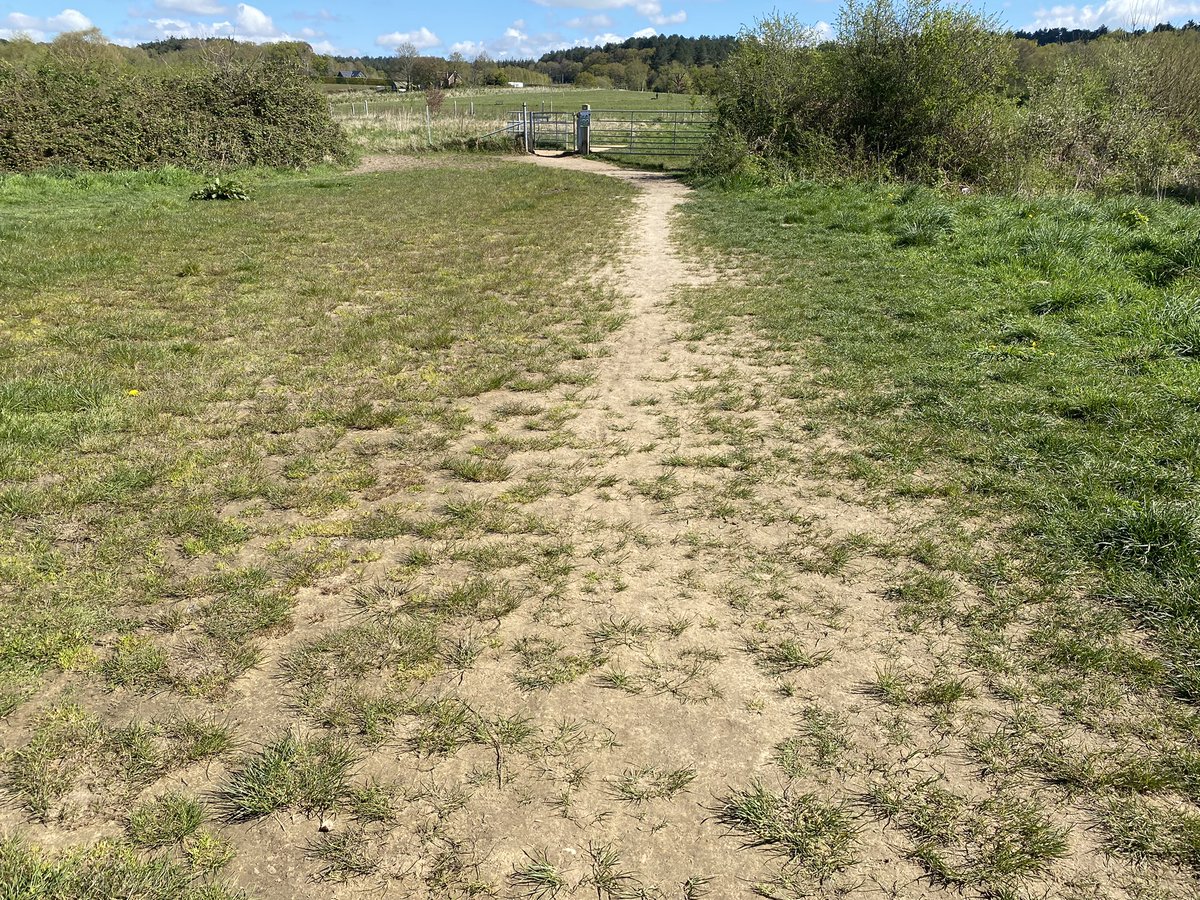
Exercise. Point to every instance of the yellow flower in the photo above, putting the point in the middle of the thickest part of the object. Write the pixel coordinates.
(134, 392)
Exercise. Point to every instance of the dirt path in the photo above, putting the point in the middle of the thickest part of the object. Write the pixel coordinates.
(699, 614)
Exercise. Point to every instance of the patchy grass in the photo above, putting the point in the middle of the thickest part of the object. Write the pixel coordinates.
(308, 775)
(996, 844)
(1030, 364)
(99, 872)
(165, 820)
(1028, 360)
(207, 422)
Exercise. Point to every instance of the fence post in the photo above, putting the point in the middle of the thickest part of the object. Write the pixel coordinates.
(428, 126)
(583, 130)
(366, 110)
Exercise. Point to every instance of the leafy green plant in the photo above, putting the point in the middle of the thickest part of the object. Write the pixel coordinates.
(221, 189)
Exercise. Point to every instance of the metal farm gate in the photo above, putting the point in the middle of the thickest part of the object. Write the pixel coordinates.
(631, 133)
(649, 132)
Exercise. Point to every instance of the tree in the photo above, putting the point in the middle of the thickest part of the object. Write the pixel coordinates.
(456, 68)
(675, 79)
(406, 53)
(483, 70)
(637, 73)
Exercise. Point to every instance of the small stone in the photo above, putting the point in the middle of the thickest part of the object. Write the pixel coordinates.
(326, 825)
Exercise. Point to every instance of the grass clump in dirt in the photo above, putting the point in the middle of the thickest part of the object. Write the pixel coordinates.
(823, 741)
(993, 845)
(652, 783)
(819, 839)
(165, 820)
(100, 872)
(308, 775)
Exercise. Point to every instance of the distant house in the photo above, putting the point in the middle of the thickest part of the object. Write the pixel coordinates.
(516, 84)
(450, 80)
(352, 73)
(399, 87)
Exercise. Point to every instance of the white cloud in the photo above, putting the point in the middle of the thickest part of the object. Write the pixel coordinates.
(675, 18)
(515, 43)
(651, 9)
(167, 27)
(469, 49)
(1115, 14)
(191, 7)
(591, 22)
(422, 39)
(249, 24)
(41, 28)
(254, 23)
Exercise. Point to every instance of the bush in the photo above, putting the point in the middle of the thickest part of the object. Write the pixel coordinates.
(921, 83)
(1095, 124)
(929, 90)
(913, 88)
(71, 113)
(222, 190)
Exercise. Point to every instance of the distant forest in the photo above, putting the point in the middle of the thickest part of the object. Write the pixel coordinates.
(1044, 36)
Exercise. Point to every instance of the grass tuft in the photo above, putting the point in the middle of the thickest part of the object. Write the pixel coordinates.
(309, 775)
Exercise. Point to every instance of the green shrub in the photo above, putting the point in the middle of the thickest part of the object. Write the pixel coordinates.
(75, 114)
(919, 82)
(929, 90)
(1094, 123)
(217, 189)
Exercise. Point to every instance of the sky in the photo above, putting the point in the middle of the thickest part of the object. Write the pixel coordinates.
(502, 28)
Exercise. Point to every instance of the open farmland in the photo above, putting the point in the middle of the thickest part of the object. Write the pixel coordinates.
(495, 102)
(397, 123)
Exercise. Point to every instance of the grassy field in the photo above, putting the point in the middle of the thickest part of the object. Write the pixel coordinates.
(194, 402)
(371, 536)
(495, 103)
(1028, 364)
(396, 123)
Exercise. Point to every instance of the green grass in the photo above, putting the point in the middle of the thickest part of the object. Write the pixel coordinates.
(1030, 364)
(494, 103)
(818, 839)
(165, 820)
(100, 872)
(309, 775)
(116, 416)
(992, 845)
(1027, 358)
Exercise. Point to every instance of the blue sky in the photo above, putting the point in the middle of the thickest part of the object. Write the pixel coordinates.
(504, 29)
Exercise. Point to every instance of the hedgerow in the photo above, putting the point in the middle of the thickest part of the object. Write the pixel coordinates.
(61, 113)
(931, 91)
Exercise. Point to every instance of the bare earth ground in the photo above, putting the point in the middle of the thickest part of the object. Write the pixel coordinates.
(701, 615)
